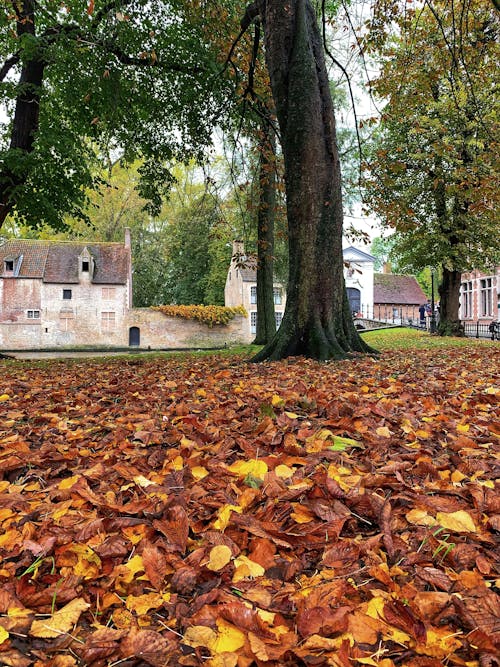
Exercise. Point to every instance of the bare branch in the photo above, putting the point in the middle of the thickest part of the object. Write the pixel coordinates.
(8, 65)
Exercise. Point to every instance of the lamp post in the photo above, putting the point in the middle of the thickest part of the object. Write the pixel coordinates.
(433, 307)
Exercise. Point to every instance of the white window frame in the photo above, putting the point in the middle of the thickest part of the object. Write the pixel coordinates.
(253, 321)
(108, 320)
(278, 318)
(33, 314)
(486, 297)
(66, 320)
(466, 300)
(253, 294)
(67, 294)
(277, 296)
(108, 293)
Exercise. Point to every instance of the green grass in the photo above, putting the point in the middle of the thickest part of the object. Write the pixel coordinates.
(412, 339)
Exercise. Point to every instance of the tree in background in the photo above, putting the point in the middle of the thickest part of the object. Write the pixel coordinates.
(433, 174)
(88, 78)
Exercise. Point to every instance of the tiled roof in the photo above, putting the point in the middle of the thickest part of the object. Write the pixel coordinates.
(247, 266)
(397, 289)
(57, 261)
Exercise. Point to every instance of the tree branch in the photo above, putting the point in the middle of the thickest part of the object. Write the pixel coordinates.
(8, 65)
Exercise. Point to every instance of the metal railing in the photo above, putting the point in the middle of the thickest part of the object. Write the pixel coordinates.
(481, 330)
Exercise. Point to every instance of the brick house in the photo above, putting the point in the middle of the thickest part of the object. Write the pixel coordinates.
(64, 293)
(480, 296)
(396, 298)
(241, 289)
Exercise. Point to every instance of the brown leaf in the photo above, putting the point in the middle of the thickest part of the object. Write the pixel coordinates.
(147, 645)
(155, 565)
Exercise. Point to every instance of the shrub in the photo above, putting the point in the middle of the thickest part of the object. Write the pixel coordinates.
(209, 315)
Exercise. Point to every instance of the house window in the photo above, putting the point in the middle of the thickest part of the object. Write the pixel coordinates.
(466, 301)
(253, 322)
(277, 296)
(66, 320)
(278, 318)
(253, 294)
(67, 294)
(108, 293)
(108, 321)
(85, 266)
(33, 314)
(9, 265)
(486, 297)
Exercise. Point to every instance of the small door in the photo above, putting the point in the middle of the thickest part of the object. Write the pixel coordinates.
(354, 296)
(134, 336)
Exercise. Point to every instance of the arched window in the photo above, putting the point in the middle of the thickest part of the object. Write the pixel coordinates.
(354, 296)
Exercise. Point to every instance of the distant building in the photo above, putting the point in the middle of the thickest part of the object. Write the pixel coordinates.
(358, 275)
(241, 289)
(241, 284)
(480, 296)
(396, 298)
(63, 293)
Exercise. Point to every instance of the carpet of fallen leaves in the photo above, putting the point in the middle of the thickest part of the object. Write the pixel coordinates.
(207, 511)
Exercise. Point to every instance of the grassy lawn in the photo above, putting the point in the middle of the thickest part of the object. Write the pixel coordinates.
(413, 339)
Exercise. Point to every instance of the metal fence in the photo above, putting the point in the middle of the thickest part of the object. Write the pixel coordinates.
(480, 330)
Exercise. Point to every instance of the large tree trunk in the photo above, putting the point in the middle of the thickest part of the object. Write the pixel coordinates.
(317, 322)
(449, 304)
(266, 322)
(25, 123)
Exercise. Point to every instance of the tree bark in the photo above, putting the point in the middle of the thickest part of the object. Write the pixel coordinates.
(25, 123)
(449, 304)
(317, 321)
(266, 322)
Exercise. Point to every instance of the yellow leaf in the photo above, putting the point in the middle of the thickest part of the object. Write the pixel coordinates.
(277, 401)
(229, 638)
(141, 604)
(68, 482)
(201, 393)
(375, 607)
(178, 463)
(223, 660)
(292, 415)
(284, 471)
(224, 516)
(199, 472)
(3, 634)
(60, 622)
(4, 397)
(199, 635)
(463, 428)
(219, 557)
(460, 522)
(254, 467)
(383, 432)
(440, 643)
(301, 513)
(420, 518)
(246, 568)
(82, 559)
(142, 481)
(457, 476)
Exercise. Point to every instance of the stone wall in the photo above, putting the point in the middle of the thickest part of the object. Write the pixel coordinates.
(159, 331)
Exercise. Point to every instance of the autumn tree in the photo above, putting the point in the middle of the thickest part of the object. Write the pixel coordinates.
(88, 78)
(317, 321)
(434, 168)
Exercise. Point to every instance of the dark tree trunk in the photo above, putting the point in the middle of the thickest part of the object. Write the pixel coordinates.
(449, 304)
(266, 322)
(317, 321)
(25, 123)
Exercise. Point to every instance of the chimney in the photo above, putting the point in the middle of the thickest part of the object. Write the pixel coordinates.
(128, 243)
(238, 248)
